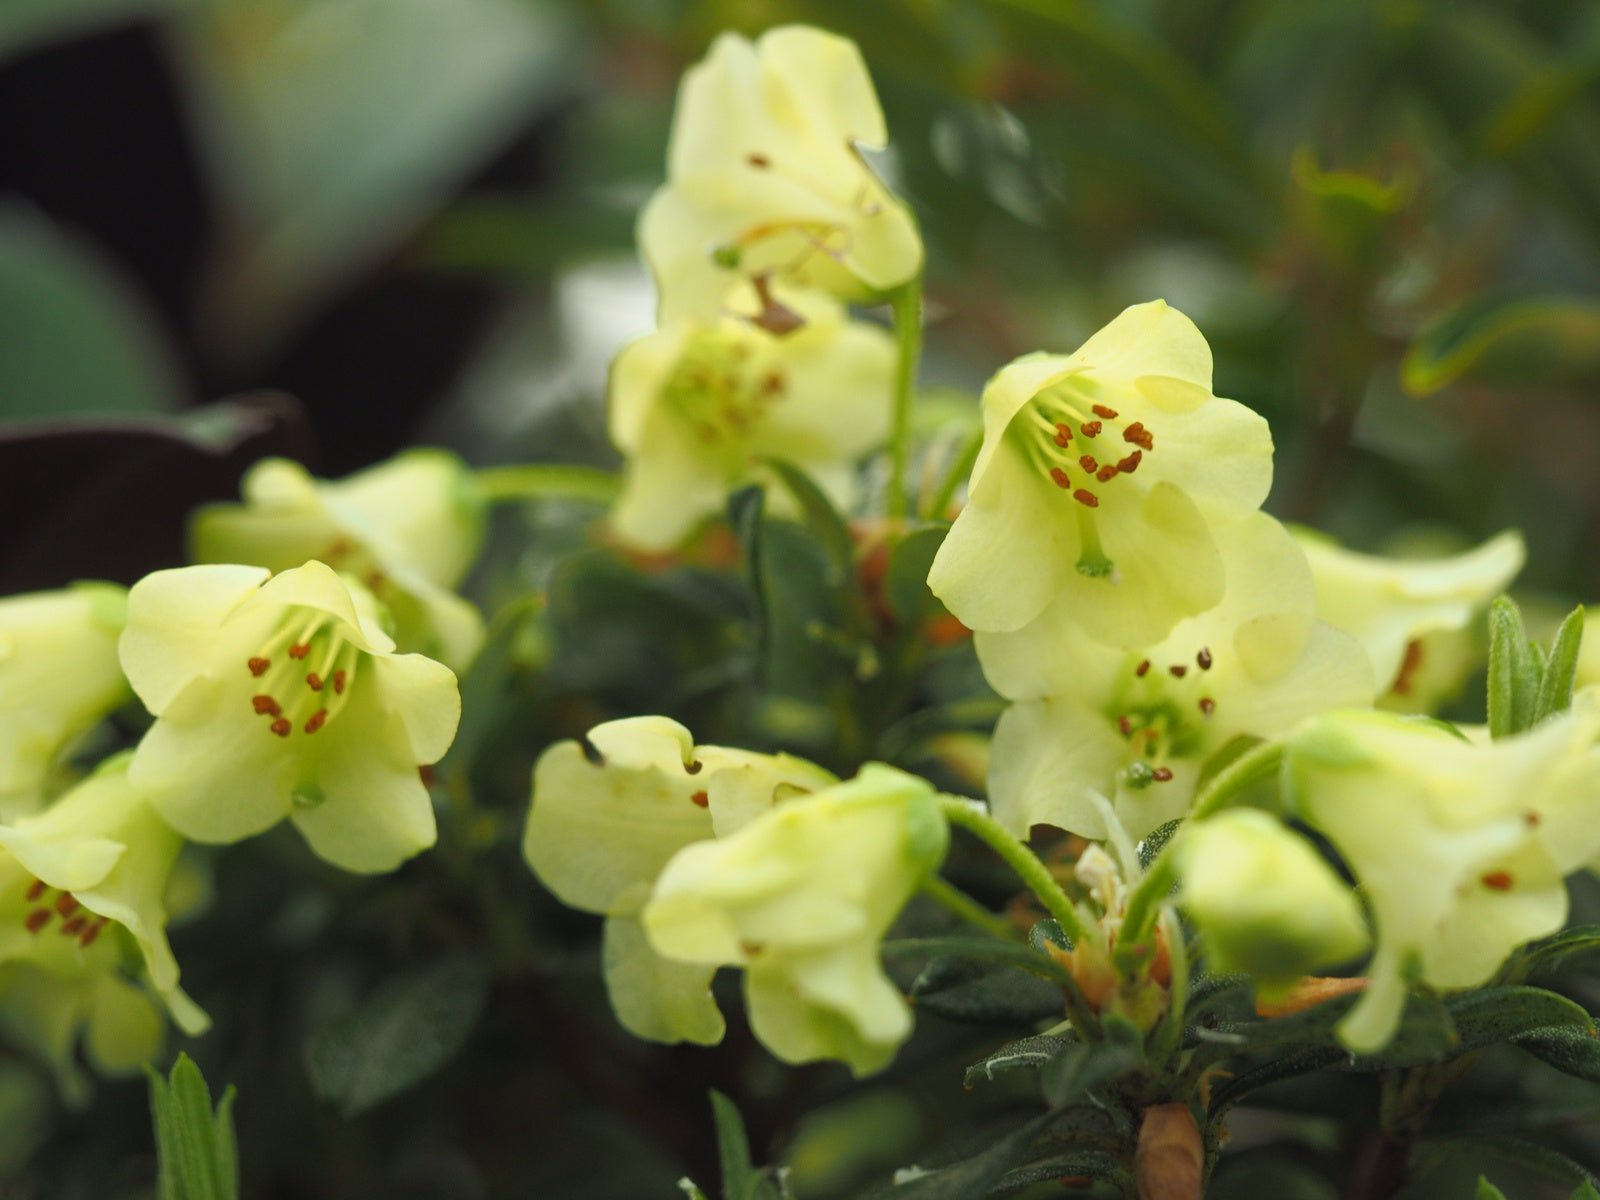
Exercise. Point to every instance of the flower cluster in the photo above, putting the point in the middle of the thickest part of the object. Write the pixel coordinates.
(769, 223)
(276, 691)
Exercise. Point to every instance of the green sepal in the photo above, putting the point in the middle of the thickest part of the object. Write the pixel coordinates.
(1514, 678)
(1560, 668)
(741, 1178)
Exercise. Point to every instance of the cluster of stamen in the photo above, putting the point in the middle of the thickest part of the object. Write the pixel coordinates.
(1099, 468)
(714, 388)
(71, 919)
(1151, 729)
(292, 696)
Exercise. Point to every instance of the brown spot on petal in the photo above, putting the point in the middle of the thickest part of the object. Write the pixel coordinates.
(1498, 881)
(700, 800)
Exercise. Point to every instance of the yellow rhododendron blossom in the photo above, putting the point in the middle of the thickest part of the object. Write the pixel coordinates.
(1136, 726)
(1264, 901)
(1408, 613)
(409, 529)
(610, 811)
(764, 178)
(696, 406)
(281, 696)
(120, 1027)
(1460, 850)
(82, 898)
(1102, 480)
(800, 899)
(59, 676)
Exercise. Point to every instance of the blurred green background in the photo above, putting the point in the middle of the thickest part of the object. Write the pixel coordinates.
(374, 223)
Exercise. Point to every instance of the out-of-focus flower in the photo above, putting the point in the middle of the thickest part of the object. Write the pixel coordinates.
(1137, 726)
(610, 811)
(59, 676)
(1264, 901)
(1103, 478)
(1461, 850)
(281, 696)
(800, 898)
(764, 178)
(1409, 613)
(409, 529)
(696, 406)
(82, 897)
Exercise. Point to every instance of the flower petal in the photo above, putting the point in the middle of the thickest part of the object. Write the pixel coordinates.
(655, 997)
(173, 617)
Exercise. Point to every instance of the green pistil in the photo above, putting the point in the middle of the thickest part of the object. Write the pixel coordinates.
(1092, 560)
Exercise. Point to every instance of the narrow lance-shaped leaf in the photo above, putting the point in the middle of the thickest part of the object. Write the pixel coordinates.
(1561, 667)
(1513, 677)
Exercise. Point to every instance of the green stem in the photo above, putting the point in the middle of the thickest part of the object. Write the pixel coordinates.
(963, 812)
(960, 468)
(1145, 902)
(906, 305)
(540, 480)
(1254, 765)
(954, 900)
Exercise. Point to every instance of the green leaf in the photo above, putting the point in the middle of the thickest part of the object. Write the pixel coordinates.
(404, 1031)
(1550, 340)
(194, 1145)
(77, 339)
(972, 1176)
(25, 24)
(1091, 1164)
(1024, 1054)
(959, 989)
(324, 159)
(1488, 1191)
(741, 1179)
(1078, 1068)
(1586, 1191)
(1499, 1014)
(1560, 668)
(1554, 954)
(1155, 841)
(905, 582)
(820, 517)
(1513, 677)
(1568, 1049)
(1236, 1087)
(1529, 1154)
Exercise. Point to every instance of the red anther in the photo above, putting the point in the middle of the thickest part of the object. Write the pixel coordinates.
(1086, 498)
(314, 681)
(66, 904)
(701, 799)
(1125, 724)
(1204, 658)
(1091, 429)
(299, 649)
(1161, 774)
(281, 727)
(73, 927)
(1142, 669)
(265, 705)
(1109, 471)
(91, 933)
(752, 948)
(338, 682)
(1139, 436)
(37, 920)
(374, 580)
(1498, 881)
(1088, 463)
(317, 721)
(37, 889)
(759, 161)
(427, 774)
(337, 549)
(1531, 819)
(258, 666)
(772, 383)
(1100, 410)
(1063, 433)
(1060, 477)
(1207, 705)
(1131, 464)
(1177, 670)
